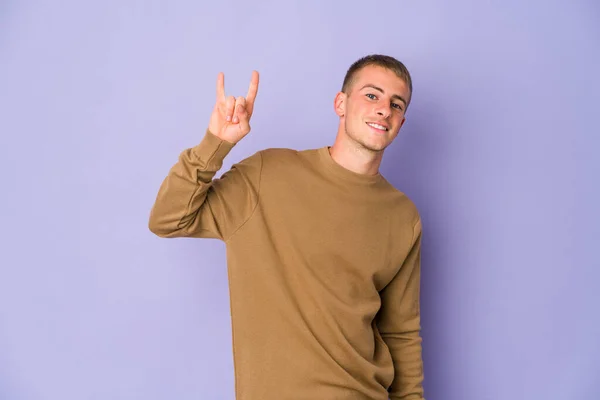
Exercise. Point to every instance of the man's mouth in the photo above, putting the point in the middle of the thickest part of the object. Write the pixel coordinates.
(379, 127)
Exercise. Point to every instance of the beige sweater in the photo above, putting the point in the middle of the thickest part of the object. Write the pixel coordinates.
(324, 271)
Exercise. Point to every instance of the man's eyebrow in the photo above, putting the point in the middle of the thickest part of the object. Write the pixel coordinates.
(394, 96)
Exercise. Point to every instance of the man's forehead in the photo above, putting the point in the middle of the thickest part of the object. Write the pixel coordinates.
(380, 77)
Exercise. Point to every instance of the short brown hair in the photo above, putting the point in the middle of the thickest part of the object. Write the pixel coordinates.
(379, 60)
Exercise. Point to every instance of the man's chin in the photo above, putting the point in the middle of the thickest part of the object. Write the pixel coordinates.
(377, 145)
(374, 147)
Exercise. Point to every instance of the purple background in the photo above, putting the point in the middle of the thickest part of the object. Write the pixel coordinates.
(500, 153)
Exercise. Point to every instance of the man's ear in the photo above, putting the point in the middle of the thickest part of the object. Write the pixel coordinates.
(339, 104)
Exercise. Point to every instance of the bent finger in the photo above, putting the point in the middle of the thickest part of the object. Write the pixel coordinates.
(229, 107)
(240, 104)
(244, 120)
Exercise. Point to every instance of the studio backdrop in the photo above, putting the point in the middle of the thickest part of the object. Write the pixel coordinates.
(499, 153)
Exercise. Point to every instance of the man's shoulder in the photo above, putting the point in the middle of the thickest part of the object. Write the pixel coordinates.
(287, 152)
(401, 203)
(287, 156)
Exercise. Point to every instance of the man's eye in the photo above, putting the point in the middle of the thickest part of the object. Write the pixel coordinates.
(398, 106)
(371, 96)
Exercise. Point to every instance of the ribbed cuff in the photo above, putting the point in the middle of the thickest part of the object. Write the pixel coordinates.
(211, 151)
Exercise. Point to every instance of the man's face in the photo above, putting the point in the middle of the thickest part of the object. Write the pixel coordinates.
(373, 110)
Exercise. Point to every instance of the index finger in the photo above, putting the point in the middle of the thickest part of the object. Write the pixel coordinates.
(252, 91)
(221, 86)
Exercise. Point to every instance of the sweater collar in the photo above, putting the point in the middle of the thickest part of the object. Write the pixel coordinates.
(345, 174)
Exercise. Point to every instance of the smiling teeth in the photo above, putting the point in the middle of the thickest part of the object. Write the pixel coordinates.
(383, 128)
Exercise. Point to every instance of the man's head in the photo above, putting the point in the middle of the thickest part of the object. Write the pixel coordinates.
(373, 101)
(386, 62)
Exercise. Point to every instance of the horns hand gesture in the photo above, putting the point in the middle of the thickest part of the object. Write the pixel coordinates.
(230, 119)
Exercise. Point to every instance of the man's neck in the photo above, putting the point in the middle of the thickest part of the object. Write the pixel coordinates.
(356, 158)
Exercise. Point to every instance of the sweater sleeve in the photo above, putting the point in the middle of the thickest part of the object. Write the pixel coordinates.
(399, 324)
(190, 203)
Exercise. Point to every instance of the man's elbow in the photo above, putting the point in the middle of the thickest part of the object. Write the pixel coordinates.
(155, 228)
(159, 229)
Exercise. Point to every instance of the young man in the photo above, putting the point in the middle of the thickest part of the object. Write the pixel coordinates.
(323, 253)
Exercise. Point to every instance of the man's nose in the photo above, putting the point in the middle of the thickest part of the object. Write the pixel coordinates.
(384, 111)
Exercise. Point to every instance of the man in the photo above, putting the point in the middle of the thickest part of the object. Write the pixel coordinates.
(323, 253)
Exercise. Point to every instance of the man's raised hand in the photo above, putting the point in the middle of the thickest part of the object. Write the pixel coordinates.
(230, 119)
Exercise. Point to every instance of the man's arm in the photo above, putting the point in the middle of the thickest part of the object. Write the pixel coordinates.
(190, 202)
(399, 324)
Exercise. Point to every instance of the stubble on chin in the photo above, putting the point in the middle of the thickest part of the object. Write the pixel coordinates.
(361, 146)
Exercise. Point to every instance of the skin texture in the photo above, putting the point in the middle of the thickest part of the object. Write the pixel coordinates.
(230, 119)
(377, 95)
